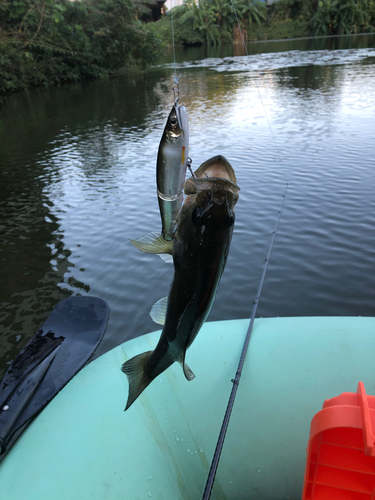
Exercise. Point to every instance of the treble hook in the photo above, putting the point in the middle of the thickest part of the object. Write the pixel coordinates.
(176, 88)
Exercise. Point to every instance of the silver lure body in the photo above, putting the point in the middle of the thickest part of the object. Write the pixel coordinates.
(171, 168)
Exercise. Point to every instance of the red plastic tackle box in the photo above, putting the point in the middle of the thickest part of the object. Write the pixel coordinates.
(341, 449)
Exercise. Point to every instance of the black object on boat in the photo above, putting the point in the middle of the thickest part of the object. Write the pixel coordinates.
(60, 348)
(224, 426)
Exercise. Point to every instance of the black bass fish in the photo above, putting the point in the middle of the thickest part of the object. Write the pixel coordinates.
(199, 248)
(171, 168)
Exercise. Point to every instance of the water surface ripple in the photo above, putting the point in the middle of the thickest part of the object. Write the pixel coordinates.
(77, 166)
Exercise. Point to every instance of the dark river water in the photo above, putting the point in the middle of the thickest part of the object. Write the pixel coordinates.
(77, 167)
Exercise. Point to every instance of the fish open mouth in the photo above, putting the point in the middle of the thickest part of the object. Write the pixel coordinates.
(218, 167)
(215, 174)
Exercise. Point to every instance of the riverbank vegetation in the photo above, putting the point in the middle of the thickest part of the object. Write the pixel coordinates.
(213, 21)
(47, 41)
(51, 41)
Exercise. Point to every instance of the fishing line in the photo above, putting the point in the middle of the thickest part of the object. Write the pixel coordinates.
(176, 88)
(258, 89)
(239, 27)
(174, 55)
(236, 380)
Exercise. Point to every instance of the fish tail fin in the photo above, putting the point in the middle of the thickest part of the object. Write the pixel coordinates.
(188, 372)
(138, 380)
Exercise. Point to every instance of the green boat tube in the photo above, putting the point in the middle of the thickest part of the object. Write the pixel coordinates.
(84, 446)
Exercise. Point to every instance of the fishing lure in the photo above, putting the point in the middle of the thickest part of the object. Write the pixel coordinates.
(171, 166)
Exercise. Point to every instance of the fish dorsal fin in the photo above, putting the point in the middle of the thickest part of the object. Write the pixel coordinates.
(159, 311)
(153, 243)
(166, 257)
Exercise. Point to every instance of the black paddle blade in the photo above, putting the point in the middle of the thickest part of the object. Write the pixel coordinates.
(61, 347)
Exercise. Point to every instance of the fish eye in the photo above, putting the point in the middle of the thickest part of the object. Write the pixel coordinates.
(173, 120)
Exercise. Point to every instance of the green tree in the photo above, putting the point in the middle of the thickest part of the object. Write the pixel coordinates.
(215, 19)
(342, 17)
(45, 41)
(205, 19)
(251, 11)
(291, 9)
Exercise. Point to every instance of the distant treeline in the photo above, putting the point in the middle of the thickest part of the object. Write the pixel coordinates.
(46, 41)
(214, 22)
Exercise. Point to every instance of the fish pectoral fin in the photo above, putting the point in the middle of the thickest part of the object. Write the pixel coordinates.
(189, 374)
(166, 257)
(138, 380)
(159, 311)
(153, 243)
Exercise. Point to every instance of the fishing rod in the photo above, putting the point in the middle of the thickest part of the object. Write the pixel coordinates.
(220, 442)
(236, 380)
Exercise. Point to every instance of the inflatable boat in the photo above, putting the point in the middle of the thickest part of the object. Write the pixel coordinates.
(84, 446)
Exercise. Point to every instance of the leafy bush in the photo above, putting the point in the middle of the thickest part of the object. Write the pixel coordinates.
(278, 30)
(45, 41)
(343, 17)
(290, 9)
(250, 11)
(183, 24)
(211, 22)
